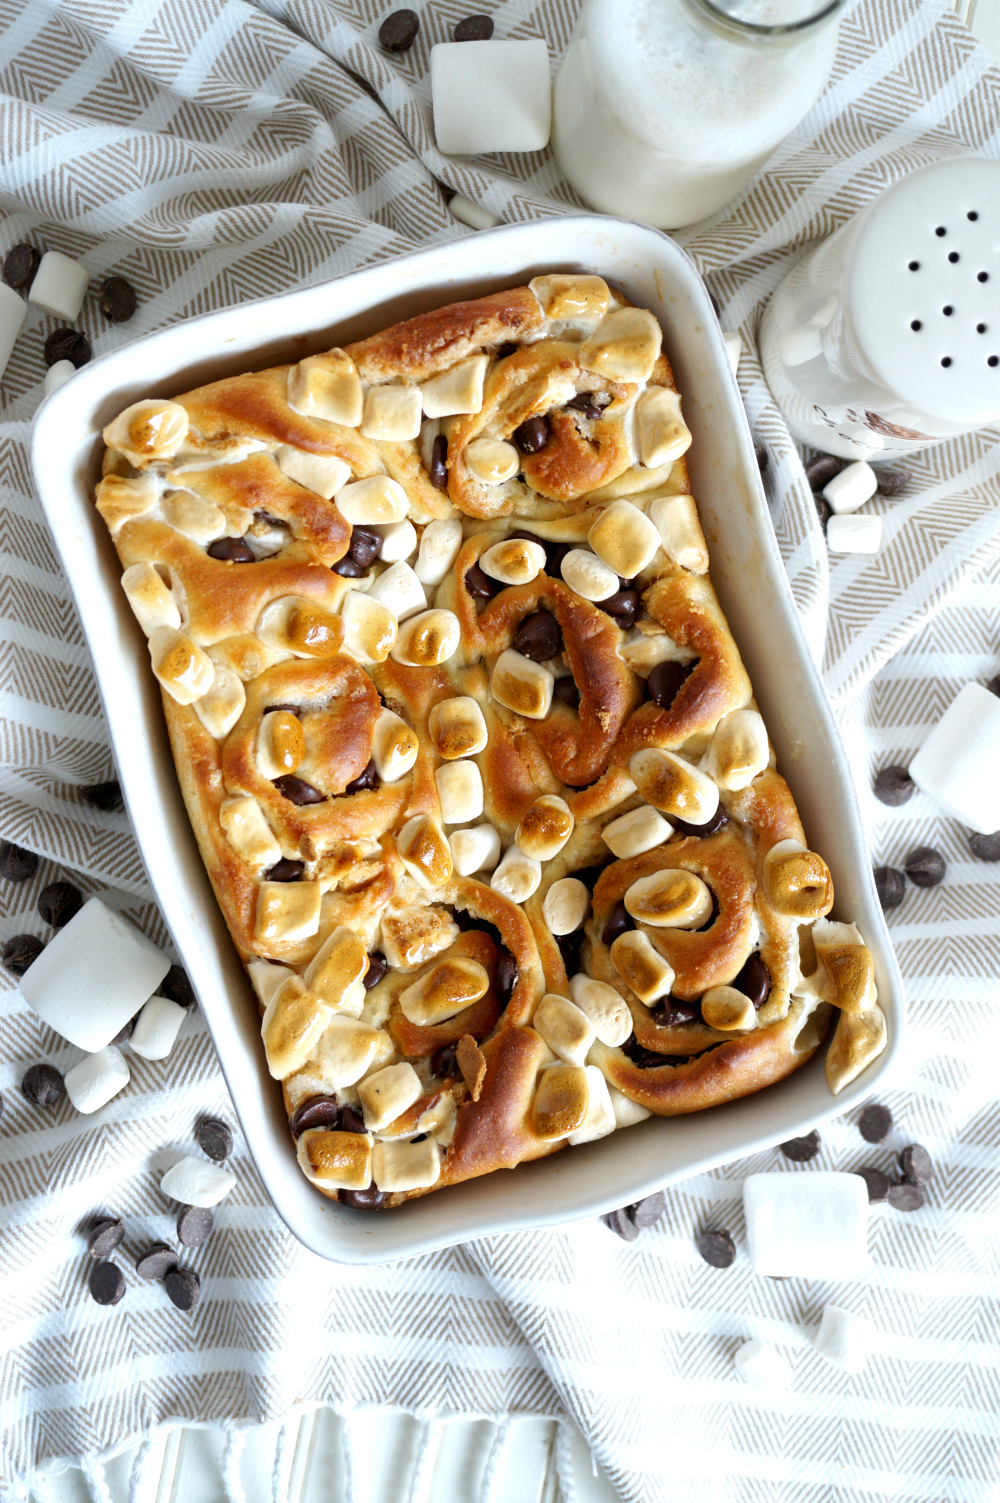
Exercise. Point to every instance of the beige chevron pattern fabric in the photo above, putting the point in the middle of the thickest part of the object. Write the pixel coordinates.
(215, 151)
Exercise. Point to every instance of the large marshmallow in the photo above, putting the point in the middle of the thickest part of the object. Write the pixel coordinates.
(12, 314)
(491, 96)
(59, 286)
(156, 1028)
(845, 1338)
(761, 1366)
(193, 1182)
(812, 1226)
(93, 1082)
(93, 976)
(957, 764)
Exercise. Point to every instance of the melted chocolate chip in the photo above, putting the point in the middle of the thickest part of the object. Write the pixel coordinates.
(622, 607)
(506, 976)
(665, 680)
(378, 967)
(754, 981)
(503, 350)
(619, 921)
(539, 637)
(710, 827)
(589, 875)
(586, 403)
(285, 870)
(316, 1111)
(677, 1012)
(365, 545)
(350, 1120)
(467, 921)
(532, 436)
(439, 463)
(364, 1200)
(569, 948)
(348, 569)
(479, 585)
(645, 1059)
(566, 691)
(289, 709)
(230, 551)
(444, 1062)
(367, 778)
(297, 791)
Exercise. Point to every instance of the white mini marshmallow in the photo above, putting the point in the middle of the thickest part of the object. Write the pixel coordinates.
(467, 212)
(852, 533)
(856, 484)
(93, 976)
(93, 1082)
(460, 791)
(734, 349)
(491, 96)
(627, 1113)
(640, 830)
(517, 876)
(957, 764)
(589, 575)
(57, 375)
(399, 540)
(663, 434)
(400, 591)
(797, 346)
(392, 413)
(475, 850)
(605, 1008)
(59, 286)
(676, 519)
(156, 1028)
(600, 1118)
(845, 1338)
(13, 310)
(374, 501)
(439, 545)
(193, 1182)
(812, 1226)
(323, 474)
(761, 1366)
(566, 905)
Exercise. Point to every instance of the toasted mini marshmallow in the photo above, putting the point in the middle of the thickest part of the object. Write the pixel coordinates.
(294, 625)
(148, 431)
(797, 881)
(413, 935)
(457, 728)
(193, 516)
(624, 538)
(606, 1008)
(280, 744)
(458, 390)
(292, 1023)
(561, 1101)
(394, 747)
(670, 899)
(337, 967)
(627, 1112)
(150, 597)
(475, 850)
(268, 977)
(439, 545)
(344, 1052)
(640, 830)
(223, 704)
(369, 628)
(514, 561)
(492, 460)
(287, 911)
(643, 649)
(327, 386)
(398, 1165)
(725, 1008)
(249, 833)
(121, 499)
(324, 474)
(545, 827)
(424, 851)
(663, 434)
(387, 1093)
(565, 296)
(600, 1118)
(738, 750)
(428, 639)
(335, 1160)
(568, 1032)
(566, 906)
(181, 667)
(399, 540)
(641, 966)
(589, 575)
(460, 792)
(400, 591)
(448, 989)
(517, 876)
(376, 499)
(669, 783)
(392, 413)
(676, 520)
(624, 346)
(521, 685)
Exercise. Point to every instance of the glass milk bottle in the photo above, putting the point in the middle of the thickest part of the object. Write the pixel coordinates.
(664, 109)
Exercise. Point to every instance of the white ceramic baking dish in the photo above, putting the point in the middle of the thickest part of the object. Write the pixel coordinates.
(747, 572)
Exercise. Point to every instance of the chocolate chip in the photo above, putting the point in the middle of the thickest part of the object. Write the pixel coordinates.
(649, 1210)
(105, 1235)
(875, 1123)
(194, 1226)
(176, 986)
(350, 1120)
(622, 1224)
(994, 686)
(214, 1138)
(366, 778)
(986, 847)
(230, 551)
(444, 1062)
(479, 585)
(801, 1150)
(348, 569)
(20, 951)
(894, 786)
(618, 922)
(67, 344)
(645, 1059)
(760, 454)
(717, 1248)
(925, 866)
(821, 470)
(710, 827)
(183, 1288)
(156, 1261)
(364, 1200)
(665, 680)
(288, 709)
(378, 967)
(754, 981)
(104, 795)
(622, 607)
(20, 265)
(890, 884)
(106, 1283)
(532, 436)
(569, 946)
(125, 1033)
(17, 864)
(365, 544)
(116, 299)
(539, 637)
(916, 1164)
(566, 692)
(823, 510)
(555, 553)
(890, 482)
(474, 29)
(676, 1011)
(296, 791)
(398, 31)
(906, 1197)
(439, 463)
(43, 1085)
(285, 870)
(878, 1184)
(503, 350)
(589, 875)
(585, 403)
(317, 1111)
(59, 902)
(506, 976)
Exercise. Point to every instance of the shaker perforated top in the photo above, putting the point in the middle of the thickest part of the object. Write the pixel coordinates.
(923, 286)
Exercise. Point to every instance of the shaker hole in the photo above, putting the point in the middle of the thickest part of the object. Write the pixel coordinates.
(946, 361)
(953, 257)
(914, 265)
(940, 230)
(947, 310)
(993, 360)
(980, 328)
(916, 326)
(972, 215)
(983, 276)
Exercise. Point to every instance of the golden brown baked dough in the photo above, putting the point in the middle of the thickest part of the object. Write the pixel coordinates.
(460, 727)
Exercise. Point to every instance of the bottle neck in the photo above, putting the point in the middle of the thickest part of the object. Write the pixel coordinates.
(765, 23)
